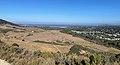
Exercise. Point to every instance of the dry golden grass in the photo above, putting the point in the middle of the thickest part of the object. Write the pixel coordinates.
(26, 41)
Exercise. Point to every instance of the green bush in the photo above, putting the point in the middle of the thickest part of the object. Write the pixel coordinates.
(34, 62)
(46, 55)
(14, 44)
(96, 59)
(20, 56)
(74, 49)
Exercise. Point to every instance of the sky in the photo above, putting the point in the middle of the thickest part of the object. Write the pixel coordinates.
(61, 11)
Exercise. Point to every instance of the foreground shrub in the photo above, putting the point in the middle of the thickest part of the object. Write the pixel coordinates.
(96, 59)
(21, 62)
(47, 55)
(20, 56)
(14, 44)
(74, 49)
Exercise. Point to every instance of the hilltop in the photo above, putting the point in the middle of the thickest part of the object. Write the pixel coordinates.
(3, 22)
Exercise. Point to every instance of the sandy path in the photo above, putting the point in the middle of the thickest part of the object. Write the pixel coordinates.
(2, 62)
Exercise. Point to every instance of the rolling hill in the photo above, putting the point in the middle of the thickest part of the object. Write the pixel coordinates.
(3, 22)
(21, 44)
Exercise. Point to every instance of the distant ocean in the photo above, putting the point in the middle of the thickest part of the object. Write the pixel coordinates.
(53, 25)
(47, 25)
(62, 26)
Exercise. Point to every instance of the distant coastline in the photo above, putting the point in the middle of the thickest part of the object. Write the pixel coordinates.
(66, 25)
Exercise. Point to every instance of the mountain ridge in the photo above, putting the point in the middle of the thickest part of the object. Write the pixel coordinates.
(2, 22)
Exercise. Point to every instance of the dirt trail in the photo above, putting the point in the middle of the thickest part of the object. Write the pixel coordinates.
(56, 48)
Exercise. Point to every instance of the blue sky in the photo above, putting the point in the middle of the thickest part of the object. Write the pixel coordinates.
(61, 11)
